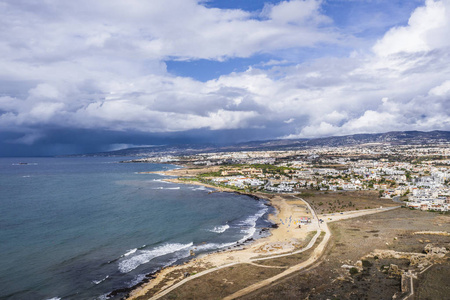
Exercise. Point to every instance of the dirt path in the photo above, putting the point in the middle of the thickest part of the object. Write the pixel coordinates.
(317, 253)
(285, 211)
(314, 256)
(354, 214)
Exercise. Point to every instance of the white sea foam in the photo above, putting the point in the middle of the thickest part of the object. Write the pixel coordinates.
(136, 280)
(101, 280)
(54, 298)
(248, 234)
(212, 246)
(167, 188)
(251, 220)
(220, 229)
(159, 180)
(201, 188)
(144, 256)
(130, 252)
(249, 224)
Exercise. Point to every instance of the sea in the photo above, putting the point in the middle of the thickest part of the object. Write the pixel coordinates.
(92, 227)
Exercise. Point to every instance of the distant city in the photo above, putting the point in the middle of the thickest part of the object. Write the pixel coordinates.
(416, 175)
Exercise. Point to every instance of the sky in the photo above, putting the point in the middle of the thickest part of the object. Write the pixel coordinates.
(88, 76)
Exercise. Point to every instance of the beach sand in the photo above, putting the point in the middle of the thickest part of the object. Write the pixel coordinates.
(286, 238)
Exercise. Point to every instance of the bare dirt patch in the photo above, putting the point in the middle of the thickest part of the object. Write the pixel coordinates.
(336, 202)
(353, 239)
(223, 282)
(291, 260)
(434, 283)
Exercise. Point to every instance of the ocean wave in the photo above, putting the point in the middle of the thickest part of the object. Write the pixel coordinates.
(249, 224)
(251, 220)
(100, 281)
(220, 229)
(212, 246)
(144, 256)
(130, 252)
(167, 188)
(54, 298)
(159, 180)
(138, 279)
(201, 188)
(248, 233)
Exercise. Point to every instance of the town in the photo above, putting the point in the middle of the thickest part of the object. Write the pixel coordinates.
(417, 176)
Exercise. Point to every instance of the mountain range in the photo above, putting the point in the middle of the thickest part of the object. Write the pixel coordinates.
(388, 138)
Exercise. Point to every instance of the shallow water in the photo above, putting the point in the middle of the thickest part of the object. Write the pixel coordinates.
(79, 228)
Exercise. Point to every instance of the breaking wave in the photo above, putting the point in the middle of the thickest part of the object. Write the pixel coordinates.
(101, 280)
(249, 224)
(144, 256)
(130, 252)
(220, 229)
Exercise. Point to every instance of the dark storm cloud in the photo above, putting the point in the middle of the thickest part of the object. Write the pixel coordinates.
(97, 68)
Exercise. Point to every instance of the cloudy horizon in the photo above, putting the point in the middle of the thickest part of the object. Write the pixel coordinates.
(89, 76)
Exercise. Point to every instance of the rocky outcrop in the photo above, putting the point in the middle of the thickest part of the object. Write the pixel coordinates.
(432, 250)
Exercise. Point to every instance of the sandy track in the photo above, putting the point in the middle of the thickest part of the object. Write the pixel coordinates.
(313, 258)
(283, 239)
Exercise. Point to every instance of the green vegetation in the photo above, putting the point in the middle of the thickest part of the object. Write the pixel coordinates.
(366, 264)
(211, 174)
(305, 195)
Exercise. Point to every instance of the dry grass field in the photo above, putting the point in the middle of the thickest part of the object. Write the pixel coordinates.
(354, 238)
(335, 202)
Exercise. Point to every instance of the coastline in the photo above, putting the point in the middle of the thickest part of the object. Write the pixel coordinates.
(282, 238)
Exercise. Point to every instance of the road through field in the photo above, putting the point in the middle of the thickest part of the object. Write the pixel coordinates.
(317, 253)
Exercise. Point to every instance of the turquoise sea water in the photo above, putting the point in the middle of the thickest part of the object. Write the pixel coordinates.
(79, 228)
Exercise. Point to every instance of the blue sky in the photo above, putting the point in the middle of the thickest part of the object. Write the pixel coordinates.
(113, 73)
(366, 20)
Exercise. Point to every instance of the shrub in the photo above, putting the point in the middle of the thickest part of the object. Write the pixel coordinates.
(366, 264)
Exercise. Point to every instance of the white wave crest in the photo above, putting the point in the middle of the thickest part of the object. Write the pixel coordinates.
(167, 188)
(101, 280)
(136, 280)
(212, 246)
(220, 229)
(144, 256)
(249, 224)
(130, 252)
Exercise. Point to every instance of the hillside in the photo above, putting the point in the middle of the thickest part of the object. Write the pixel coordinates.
(388, 138)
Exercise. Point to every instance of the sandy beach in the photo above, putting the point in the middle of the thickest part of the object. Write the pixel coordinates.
(289, 236)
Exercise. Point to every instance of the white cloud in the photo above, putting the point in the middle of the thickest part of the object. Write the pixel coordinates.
(100, 65)
(402, 86)
(442, 90)
(296, 12)
(426, 30)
